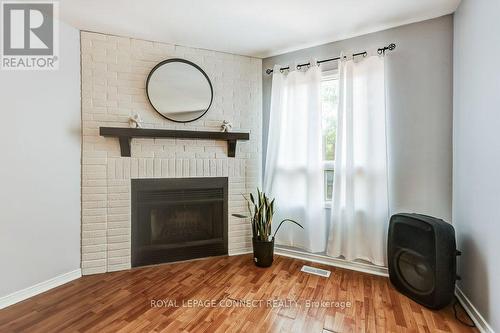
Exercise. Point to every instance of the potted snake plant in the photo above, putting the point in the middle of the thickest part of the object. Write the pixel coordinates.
(261, 212)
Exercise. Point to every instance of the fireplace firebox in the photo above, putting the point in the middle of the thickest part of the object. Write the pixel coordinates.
(177, 219)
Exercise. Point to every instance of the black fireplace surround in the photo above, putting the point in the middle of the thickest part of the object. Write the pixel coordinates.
(177, 219)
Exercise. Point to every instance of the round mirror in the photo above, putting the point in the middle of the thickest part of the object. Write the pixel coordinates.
(179, 90)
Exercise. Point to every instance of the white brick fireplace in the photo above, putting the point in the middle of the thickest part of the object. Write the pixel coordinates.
(114, 71)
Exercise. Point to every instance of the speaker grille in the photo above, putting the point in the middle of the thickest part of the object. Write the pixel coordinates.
(415, 272)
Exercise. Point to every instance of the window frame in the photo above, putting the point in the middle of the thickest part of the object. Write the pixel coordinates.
(328, 165)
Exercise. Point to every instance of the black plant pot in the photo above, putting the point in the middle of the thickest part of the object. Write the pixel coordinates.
(263, 252)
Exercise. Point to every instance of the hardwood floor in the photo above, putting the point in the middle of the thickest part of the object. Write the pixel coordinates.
(122, 302)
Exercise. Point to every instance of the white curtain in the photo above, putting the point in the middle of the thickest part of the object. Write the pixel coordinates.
(360, 205)
(294, 171)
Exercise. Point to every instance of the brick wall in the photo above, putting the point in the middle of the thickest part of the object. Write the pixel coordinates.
(114, 71)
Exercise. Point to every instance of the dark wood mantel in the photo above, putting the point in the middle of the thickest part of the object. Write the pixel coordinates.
(125, 135)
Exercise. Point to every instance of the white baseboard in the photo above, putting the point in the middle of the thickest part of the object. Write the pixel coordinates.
(322, 259)
(240, 252)
(481, 324)
(39, 288)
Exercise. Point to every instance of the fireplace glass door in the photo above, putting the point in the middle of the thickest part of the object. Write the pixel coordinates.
(178, 219)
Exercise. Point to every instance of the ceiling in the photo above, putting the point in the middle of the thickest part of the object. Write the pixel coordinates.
(257, 28)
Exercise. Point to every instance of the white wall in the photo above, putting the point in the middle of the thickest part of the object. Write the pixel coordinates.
(476, 153)
(40, 170)
(419, 104)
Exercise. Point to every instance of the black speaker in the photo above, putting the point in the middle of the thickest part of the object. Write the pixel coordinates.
(422, 258)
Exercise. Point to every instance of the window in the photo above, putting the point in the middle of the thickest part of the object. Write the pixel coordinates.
(329, 105)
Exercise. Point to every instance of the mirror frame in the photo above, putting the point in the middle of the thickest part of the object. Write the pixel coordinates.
(188, 63)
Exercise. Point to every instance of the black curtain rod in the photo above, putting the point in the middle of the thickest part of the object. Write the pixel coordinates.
(381, 50)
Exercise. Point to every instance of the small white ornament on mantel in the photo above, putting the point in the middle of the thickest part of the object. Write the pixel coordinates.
(226, 126)
(135, 121)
